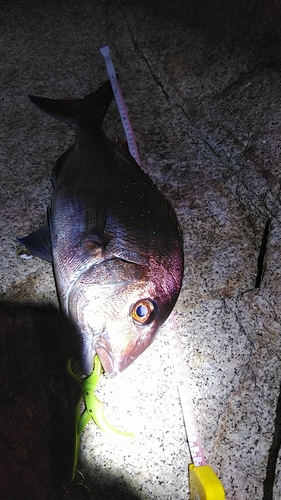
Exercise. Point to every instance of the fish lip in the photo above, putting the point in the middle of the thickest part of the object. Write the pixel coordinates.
(126, 362)
(109, 362)
(106, 357)
(87, 363)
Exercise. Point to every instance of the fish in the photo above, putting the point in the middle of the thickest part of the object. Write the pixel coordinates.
(113, 238)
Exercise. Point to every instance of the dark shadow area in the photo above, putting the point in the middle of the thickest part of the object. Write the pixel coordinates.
(273, 455)
(262, 253)
(37, 408)
(105, 485)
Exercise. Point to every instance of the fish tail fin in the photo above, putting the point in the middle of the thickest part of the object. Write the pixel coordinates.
(91, 109)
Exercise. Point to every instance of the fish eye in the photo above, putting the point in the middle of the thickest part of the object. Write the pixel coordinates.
(143, 311)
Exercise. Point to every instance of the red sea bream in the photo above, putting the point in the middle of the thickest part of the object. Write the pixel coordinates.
(114, 240)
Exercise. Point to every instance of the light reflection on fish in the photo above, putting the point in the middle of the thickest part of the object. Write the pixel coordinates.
(114, 240)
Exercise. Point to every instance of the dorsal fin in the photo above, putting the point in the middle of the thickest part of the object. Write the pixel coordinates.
(95, 222)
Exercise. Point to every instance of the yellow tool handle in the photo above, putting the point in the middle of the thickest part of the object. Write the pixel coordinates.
(204, 484)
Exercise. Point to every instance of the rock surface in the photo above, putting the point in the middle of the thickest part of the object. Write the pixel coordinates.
(202, 84)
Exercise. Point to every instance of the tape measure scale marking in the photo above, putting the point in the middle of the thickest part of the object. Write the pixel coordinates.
(193, 438)
(203, 482)
(105, 51)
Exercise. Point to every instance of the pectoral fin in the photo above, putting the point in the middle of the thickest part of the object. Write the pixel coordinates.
(39, 243)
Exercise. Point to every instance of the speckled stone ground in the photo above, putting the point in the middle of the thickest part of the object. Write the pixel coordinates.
(202, 84)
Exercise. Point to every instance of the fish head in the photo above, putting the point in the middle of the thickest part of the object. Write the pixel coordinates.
(118, 311)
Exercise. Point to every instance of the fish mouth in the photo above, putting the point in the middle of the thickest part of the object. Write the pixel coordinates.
(107, 359)
(124, 363)
(110, 364)
(100, 346)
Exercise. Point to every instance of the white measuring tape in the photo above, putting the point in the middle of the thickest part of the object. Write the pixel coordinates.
(203, 482)
(105, 51)
(194, 441)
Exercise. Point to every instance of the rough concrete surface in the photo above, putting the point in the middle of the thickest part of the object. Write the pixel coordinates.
(202, 83)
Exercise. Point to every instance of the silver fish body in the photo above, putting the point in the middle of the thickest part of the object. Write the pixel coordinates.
(114, 240)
